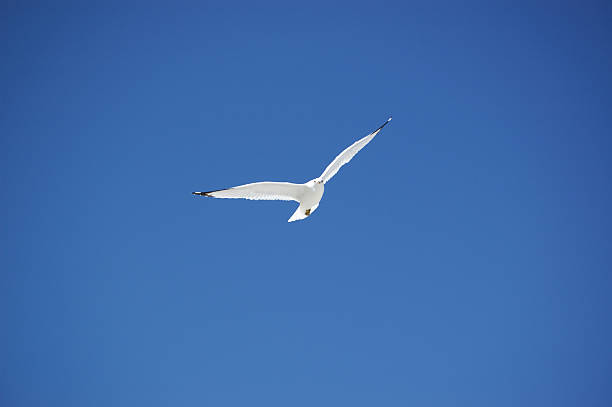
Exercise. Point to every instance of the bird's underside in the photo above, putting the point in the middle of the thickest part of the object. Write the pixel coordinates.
(308, 195)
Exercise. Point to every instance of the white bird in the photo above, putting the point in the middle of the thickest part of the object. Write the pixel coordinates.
(308, 195)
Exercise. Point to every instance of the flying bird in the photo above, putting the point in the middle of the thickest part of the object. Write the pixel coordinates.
(308, 195)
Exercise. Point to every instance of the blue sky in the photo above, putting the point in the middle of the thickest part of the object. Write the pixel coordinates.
(462, 258)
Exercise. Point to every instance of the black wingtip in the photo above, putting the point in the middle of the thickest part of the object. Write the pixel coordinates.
(383, 125)
(207, 193)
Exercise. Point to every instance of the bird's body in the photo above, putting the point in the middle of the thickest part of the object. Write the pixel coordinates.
(308, 194)
(313, 192)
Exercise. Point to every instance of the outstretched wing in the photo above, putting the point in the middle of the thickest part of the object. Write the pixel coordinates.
(348, 154)
(270, 191)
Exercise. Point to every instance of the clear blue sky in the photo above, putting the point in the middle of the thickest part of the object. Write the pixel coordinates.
(463, 257)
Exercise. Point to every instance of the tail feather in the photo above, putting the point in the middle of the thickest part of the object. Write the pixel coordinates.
(299, 214)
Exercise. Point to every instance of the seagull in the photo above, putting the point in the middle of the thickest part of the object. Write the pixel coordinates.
(308, 195)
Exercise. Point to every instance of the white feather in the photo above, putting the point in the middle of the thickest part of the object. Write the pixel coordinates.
(348, 154)
(269, 191)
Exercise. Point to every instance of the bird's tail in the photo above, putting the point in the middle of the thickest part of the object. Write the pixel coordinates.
(299, 214)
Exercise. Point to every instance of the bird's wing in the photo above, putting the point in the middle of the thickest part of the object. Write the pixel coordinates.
(346, 156)
(270, 191)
